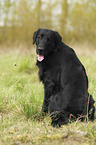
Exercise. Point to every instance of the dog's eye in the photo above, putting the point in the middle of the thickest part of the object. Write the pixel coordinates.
(42, 35)
(39, 37)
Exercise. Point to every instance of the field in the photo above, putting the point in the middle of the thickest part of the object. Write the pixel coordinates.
(21, 97)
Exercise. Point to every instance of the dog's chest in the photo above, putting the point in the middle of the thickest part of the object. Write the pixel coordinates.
(50, 78)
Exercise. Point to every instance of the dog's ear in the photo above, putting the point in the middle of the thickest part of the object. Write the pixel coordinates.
(35, 36)
(58, 38)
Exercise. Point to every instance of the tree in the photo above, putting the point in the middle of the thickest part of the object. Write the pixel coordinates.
(63, 17)
(39, 12)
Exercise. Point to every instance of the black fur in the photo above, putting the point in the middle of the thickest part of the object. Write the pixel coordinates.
(64, 78)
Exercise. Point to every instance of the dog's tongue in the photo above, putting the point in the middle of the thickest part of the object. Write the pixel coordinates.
(40, 57)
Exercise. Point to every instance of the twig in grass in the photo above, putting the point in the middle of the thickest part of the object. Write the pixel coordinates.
(71, 115)
(86, 116)
(86, 113)
(88, 107)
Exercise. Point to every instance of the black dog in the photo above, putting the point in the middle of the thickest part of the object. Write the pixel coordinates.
(64, 78)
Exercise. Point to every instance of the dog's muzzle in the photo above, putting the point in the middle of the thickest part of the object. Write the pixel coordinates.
(40, 55)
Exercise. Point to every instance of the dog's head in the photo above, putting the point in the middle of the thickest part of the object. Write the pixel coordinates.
(46, 41)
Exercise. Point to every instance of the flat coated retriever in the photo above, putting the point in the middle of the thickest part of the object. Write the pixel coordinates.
(64, 78)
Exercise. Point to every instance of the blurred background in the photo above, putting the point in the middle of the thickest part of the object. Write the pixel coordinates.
(75, 20)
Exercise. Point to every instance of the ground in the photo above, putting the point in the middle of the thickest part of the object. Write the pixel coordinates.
(21, 97)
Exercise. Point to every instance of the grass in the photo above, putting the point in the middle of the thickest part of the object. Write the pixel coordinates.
(21, 97)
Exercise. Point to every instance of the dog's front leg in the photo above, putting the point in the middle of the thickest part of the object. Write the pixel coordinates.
(45, 104)
(46, 100)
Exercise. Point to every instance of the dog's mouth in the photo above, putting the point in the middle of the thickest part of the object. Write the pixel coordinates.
(40, 54)
(40, 57)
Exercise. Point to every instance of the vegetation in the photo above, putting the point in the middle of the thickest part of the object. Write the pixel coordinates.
(75, 20)
(21, 93)
(21, 96)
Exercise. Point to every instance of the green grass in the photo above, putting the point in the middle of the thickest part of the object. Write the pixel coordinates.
(21, 97)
